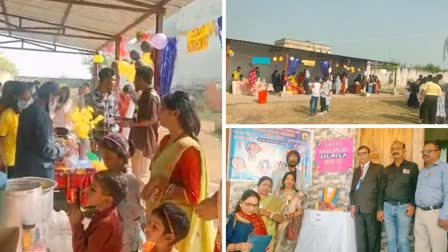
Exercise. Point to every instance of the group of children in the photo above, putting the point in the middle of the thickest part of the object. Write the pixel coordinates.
(115, 195)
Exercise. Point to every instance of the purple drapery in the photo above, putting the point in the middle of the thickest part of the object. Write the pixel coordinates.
(169, 54)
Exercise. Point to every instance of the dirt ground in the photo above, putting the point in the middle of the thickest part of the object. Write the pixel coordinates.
(295, 109)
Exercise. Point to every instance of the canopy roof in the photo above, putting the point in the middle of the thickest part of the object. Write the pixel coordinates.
(80, 25)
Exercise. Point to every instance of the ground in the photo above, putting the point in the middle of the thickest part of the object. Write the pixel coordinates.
(295, 109)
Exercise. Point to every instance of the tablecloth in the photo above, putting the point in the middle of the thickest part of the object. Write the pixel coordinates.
(327, 231)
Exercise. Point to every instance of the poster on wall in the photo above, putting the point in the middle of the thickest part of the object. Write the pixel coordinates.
(334, 155)
(198, 38)
(259, 152)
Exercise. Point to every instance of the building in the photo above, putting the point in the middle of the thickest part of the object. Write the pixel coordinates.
(303, 45)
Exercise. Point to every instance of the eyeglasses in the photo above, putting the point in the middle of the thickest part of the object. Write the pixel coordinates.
(362, 153)
(428, 151)
(169, 221)
(250, 205)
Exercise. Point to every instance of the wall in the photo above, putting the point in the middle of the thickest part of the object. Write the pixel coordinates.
(244, 51)
(403, 75)
(194, 71)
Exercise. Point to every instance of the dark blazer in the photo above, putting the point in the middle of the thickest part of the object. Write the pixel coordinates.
(36, 150)
(369, 196)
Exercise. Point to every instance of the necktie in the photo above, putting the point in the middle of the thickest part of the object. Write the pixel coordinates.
(362, 170)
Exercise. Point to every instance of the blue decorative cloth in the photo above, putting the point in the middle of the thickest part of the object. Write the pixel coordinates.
(293, 65)
(219, 21)
(169, 54)
(324, 67)
(237, 231)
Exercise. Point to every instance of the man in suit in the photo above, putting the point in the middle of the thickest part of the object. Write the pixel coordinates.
(365, 200)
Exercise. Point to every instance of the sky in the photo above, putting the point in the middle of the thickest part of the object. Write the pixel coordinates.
(406, 31)
(44, 64)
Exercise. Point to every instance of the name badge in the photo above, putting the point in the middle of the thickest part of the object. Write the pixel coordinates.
(406, 171)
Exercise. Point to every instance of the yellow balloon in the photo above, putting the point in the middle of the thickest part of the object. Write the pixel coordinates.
(98, 59)
(147, 60)
(127, 70)
(337, 65)
(280, 59)
(274, 59)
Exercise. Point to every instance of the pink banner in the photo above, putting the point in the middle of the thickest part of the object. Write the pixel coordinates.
(334, 155)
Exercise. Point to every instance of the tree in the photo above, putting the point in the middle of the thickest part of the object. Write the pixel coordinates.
(6, 65)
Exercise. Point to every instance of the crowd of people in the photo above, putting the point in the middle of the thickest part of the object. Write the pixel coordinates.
(159, 186)
(430, 96)
(395, 195)
(339, 83)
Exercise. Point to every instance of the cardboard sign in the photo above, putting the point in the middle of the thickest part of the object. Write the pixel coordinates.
(197, 39)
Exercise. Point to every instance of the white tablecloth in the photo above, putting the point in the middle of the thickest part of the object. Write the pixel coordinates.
(324, 231)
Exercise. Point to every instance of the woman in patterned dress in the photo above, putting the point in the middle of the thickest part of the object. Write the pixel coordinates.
(293, 209)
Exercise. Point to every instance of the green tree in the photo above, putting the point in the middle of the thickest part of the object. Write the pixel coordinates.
(6, 65)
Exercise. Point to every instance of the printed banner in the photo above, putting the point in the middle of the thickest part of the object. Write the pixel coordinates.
(197, 39)
(334, 155)
(259, 152)
(309, 62)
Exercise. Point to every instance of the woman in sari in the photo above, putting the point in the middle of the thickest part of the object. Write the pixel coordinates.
(243, 222)
(267, 209)
(253, 81)
(179, 171)
(293, 209)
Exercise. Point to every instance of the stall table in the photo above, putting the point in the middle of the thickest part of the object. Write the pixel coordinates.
(74, 182)
(331, 231)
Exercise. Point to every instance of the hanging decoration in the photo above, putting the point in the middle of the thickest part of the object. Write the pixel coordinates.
(123, 47)
(274, 59)
(109, 48)
(293, 64)
(337, 65)
(127, 70)
(231, 53)
(280, 59)
(98, 59)
(147, 60)
(159, 41)
(219, 21)
(168, 61)
(324, 68)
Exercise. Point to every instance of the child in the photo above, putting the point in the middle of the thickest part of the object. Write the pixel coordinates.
(116, 151)
(104, 232)
(168, 225)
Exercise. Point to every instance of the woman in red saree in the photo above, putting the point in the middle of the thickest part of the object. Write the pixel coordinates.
(253, 81)
(179, 171)
(243, 222)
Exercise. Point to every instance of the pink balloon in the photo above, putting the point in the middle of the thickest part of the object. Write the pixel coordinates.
(159, 41)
